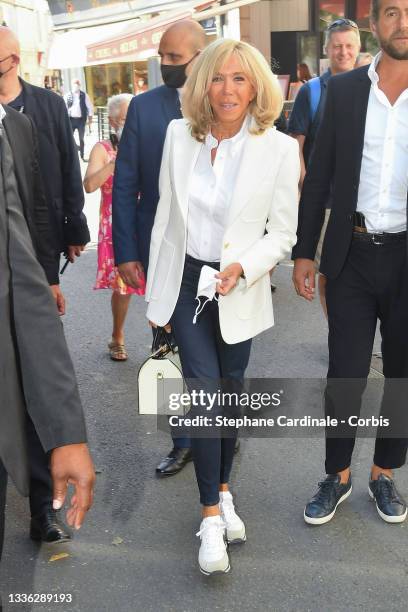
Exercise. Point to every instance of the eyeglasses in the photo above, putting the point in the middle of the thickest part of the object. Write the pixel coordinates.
(342, 22)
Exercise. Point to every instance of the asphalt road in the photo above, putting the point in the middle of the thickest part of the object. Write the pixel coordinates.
(137, 551)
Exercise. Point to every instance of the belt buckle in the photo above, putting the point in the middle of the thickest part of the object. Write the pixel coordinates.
(378, 238)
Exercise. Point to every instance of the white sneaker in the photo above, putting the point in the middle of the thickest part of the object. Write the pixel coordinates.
(235, 527)
(213, 556)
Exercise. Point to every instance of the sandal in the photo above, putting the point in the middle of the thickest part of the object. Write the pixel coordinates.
(117, 352)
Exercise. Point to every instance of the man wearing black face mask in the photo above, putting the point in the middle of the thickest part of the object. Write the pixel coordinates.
(136, 180)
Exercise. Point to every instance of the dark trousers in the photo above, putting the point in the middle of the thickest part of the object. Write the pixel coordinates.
(372, 285)
(77, 123)
(3, 488)
(40, 477)
(206, 359)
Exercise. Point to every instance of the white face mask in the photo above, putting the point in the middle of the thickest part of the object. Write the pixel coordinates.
(207, 286)
(119, 132)
(75, 87)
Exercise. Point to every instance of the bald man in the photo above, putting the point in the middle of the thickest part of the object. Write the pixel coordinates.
(136, 180)
(62, 184)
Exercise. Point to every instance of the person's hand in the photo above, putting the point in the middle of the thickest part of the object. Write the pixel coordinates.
(132, 273)
(229, 278)
(304, 273)
(72, 464)
(75, 251)
(59, 298)
(167, 327)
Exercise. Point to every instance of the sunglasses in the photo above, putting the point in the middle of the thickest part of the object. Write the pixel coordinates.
(342, 22)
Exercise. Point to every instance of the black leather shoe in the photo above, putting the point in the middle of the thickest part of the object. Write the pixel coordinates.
(174, 462)
(390, 505)
(323, 504)
(48, 528)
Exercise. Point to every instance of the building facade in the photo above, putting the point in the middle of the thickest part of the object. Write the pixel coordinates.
(30, 20)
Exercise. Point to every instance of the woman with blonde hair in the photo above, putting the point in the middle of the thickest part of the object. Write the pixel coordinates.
(227, 214)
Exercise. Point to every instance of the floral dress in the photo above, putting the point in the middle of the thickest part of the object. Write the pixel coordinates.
(108, 276)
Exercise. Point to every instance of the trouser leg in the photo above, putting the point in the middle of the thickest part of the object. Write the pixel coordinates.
(81, 133)
(205, 358)
(3, 488)
(390, 450)
(352, 316)
(40, 477)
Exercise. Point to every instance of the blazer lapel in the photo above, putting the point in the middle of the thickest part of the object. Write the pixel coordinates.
(171, 104)
(29, 102)
(186, 150)
(16, 142)
(254, 166)
(360, 94)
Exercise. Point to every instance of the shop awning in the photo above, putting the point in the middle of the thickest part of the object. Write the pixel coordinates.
(69, 49)
(139, 41)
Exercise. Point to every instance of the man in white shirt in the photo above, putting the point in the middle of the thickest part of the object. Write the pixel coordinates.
(80, 109)
(362, 150)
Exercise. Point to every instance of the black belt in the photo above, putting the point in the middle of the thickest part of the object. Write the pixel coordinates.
(361, 233)
(200, 263)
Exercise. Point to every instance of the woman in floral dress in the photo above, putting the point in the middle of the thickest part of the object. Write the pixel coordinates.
(99, 174)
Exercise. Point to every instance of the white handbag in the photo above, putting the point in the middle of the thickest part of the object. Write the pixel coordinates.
(159, 377)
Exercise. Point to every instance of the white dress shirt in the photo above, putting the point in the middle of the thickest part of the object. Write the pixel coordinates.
(382, 194)
(210, 194)
(75, 109)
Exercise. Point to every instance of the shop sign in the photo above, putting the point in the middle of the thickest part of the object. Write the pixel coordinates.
(134, 43)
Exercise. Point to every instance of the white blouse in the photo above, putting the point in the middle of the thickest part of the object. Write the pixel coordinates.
(210, 194)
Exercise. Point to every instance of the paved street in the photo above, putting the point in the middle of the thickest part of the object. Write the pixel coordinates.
(137, 551)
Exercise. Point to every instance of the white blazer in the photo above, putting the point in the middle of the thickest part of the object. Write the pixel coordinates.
(265, 197)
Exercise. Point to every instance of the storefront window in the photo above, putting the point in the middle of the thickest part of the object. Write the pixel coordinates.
(363, 13)
(105, 81)
(362, 18)
(329, 11)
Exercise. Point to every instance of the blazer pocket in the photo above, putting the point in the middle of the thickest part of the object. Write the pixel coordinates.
(258, 206)
(250, 301)
(163, 268)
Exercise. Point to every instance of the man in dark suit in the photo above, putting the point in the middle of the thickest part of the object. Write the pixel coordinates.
(136, 184)
(62, 184)
(361, 150)
(57, 150)
(33, 380)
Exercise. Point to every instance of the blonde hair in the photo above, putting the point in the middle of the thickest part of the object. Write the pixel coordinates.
(267, 104)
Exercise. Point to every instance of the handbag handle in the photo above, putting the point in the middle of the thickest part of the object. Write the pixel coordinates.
(162, 344)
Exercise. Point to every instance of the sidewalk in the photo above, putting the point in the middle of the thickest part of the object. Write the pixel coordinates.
(137, 551)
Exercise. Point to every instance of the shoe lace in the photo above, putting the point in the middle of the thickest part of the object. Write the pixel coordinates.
(211, 532)
(388, 491)
(325, 489)
(228, 510)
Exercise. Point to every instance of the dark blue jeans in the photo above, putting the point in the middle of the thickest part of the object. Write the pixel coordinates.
(206, 360)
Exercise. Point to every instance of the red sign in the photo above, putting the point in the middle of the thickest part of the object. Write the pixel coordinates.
(129, 44)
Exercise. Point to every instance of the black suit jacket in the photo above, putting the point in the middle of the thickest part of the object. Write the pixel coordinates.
(336, 161)
(23, 142)
(59, 165)
(49, 382)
